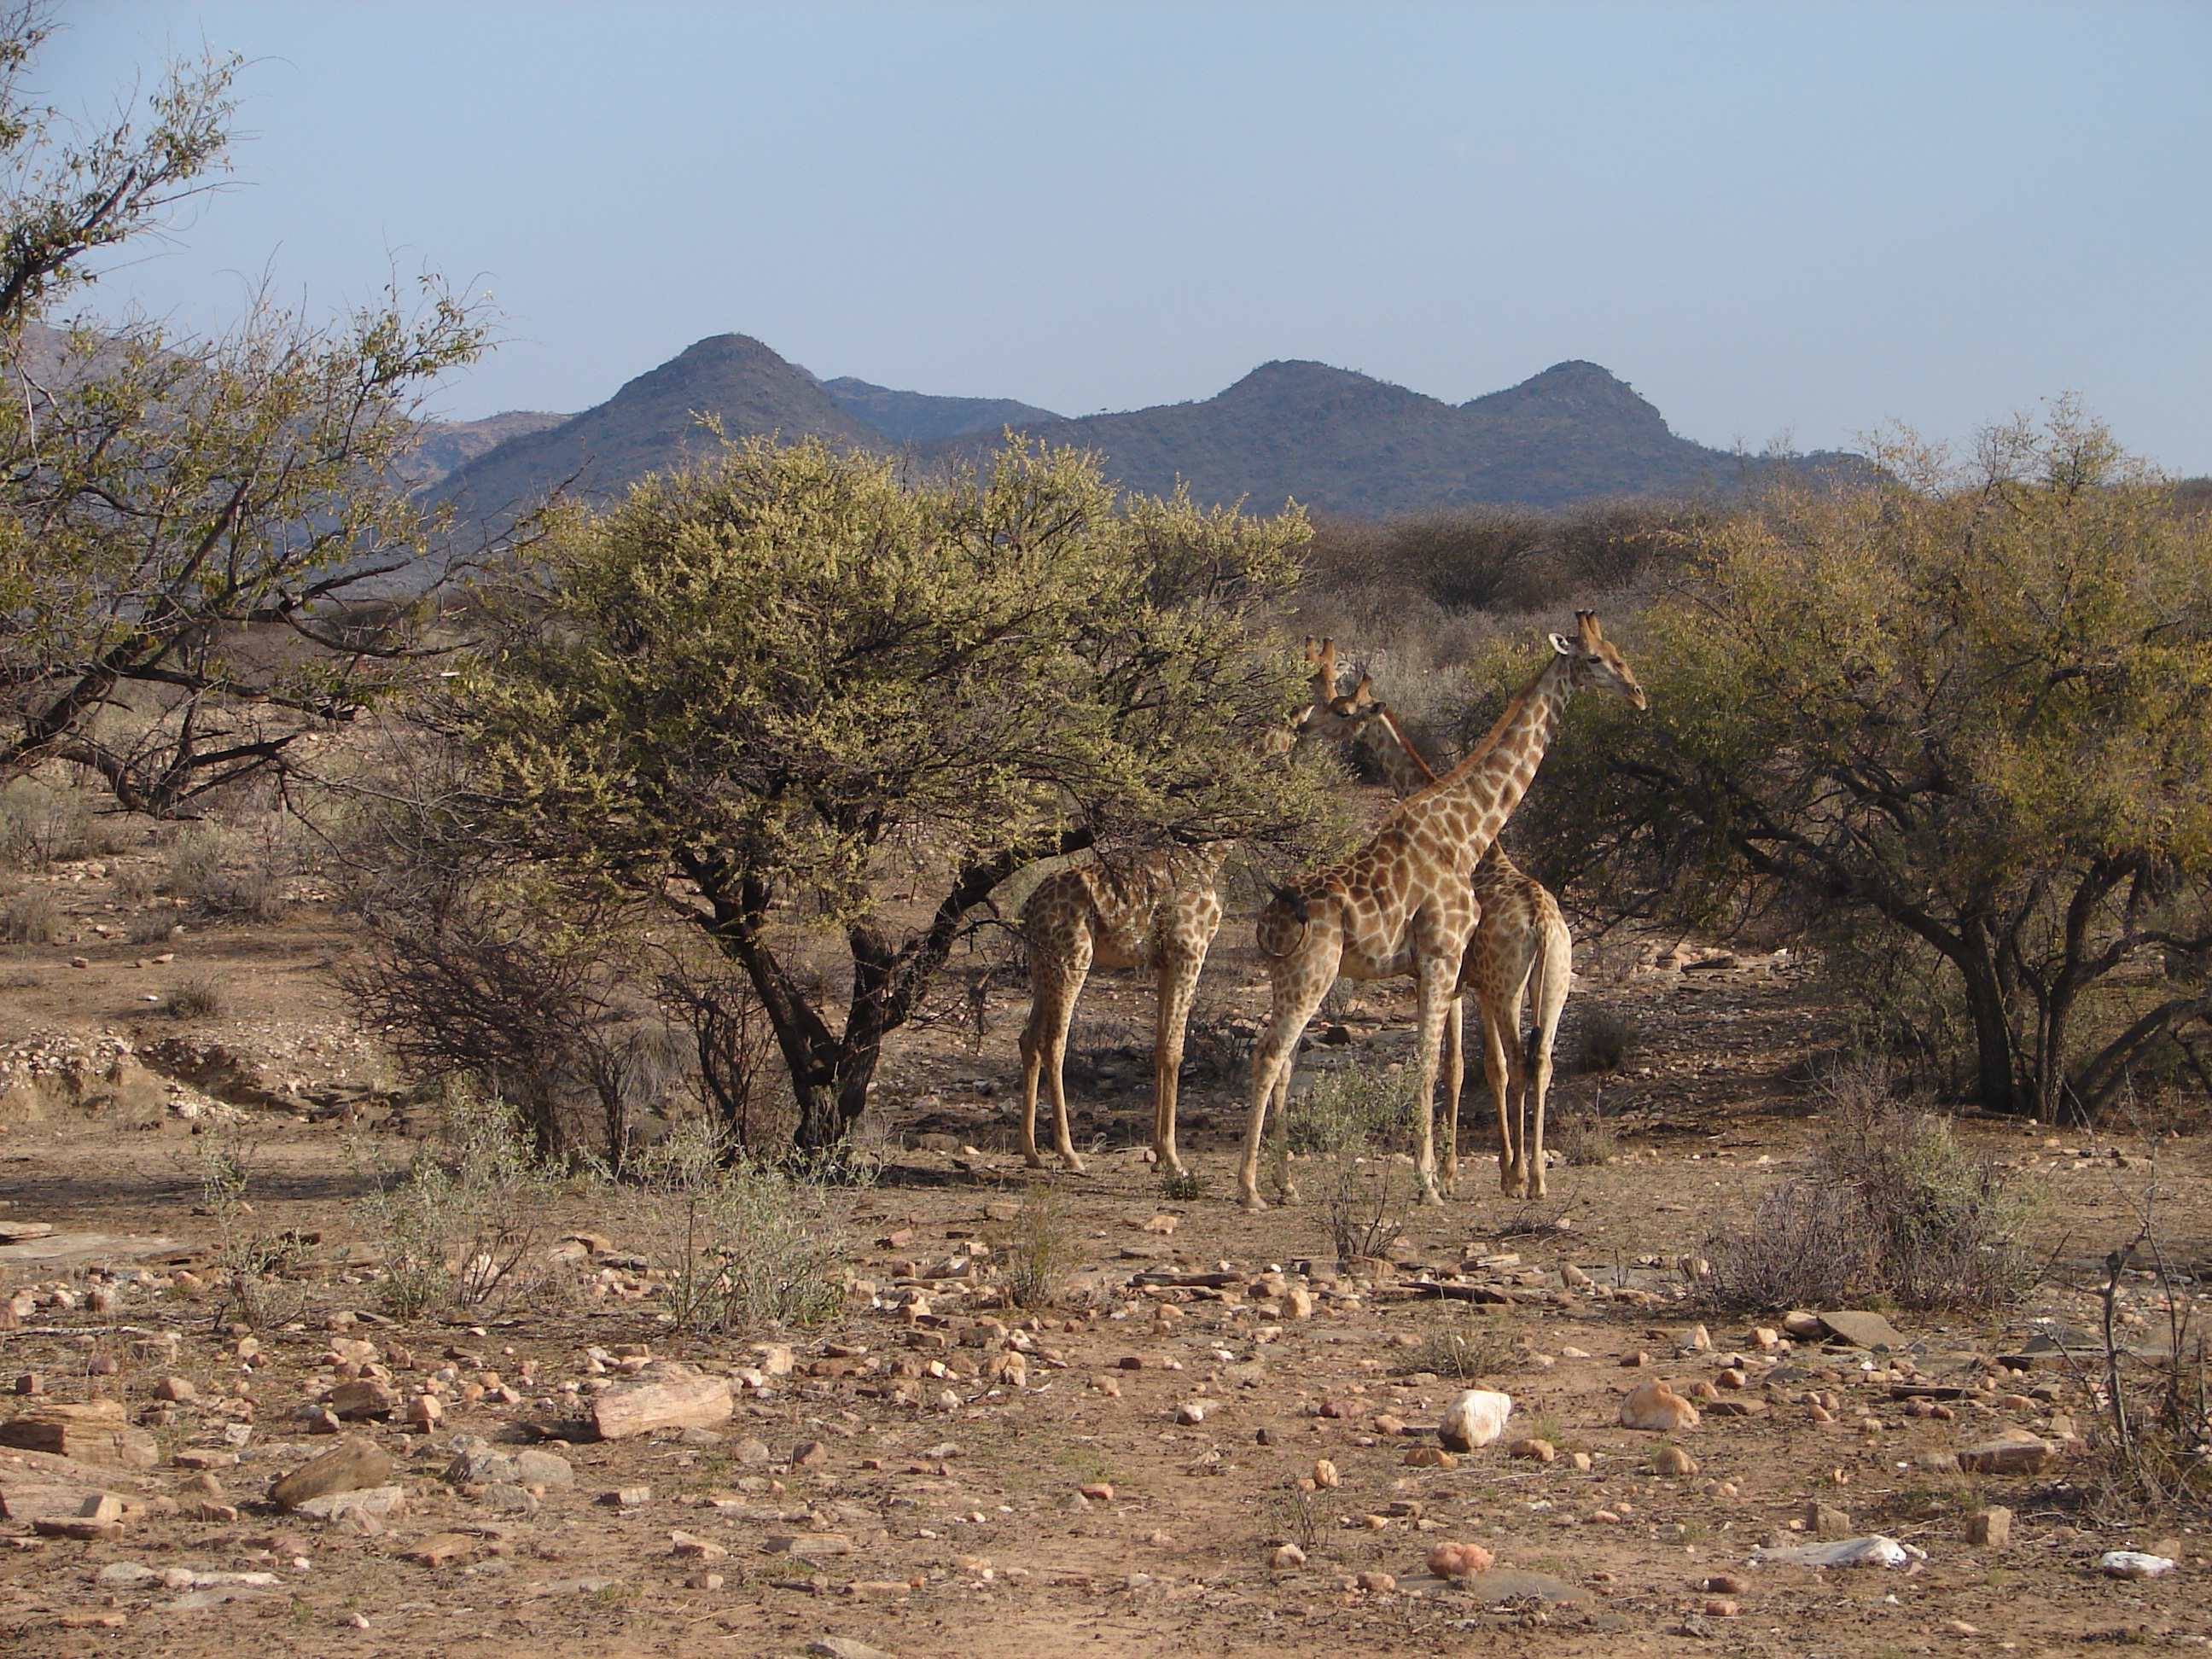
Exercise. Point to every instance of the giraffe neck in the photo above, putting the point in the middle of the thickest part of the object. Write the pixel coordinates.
(1466, 808)
(1402, 764)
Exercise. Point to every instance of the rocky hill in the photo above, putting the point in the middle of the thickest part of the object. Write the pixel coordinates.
(652, 425)
(1338, 442)
(917, 417)
(1343, 442)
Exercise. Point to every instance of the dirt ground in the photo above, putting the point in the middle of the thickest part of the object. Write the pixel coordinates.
(889, 1490)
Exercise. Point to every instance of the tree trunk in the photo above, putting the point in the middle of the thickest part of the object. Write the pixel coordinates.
(1996, 1079)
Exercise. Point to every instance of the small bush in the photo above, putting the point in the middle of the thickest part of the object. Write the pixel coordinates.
(460, 1225)
(1352, 1110)
(43, 823)
(1466, 1354)
(151, 926)
(1892, 1207)
(740, 1244)
(1580, 1134)
(29, 918)
(1365, 1202)
(1039, 1250)
(1181, 1185)
(195, 999)
(1609, 1039)
(134, 884)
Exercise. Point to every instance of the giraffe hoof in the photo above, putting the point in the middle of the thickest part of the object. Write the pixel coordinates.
(1253, 1202)
(1075, 1166)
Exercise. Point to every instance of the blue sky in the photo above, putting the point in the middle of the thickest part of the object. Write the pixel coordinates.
(1775, 219)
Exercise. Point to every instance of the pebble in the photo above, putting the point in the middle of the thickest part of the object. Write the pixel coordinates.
(1673, 1463)
(1285, 1557)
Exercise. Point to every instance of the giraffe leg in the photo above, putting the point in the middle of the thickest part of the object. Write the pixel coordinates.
(1455, 1081)
(1439, 979)
(1554, 968)
(1056, 985)
(1497, 1068)
(1299, 988)
(1178, 984)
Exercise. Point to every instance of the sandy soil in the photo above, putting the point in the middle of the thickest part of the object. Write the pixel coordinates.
(956, 1498)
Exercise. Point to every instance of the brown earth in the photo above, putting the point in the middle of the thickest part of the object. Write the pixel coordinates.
(966, 1532)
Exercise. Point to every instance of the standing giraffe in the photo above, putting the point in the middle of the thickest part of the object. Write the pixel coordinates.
(1159, 912)
(1403, 904)
(1520, 936)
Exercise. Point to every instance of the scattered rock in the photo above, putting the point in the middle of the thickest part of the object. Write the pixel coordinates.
(99, 1433)
(1672, 1463)
(1459, 1560)
(1515, 1584)
(1378, 1583)
(1476, 1419)
(679, 1403)
(2018, 1453)
(353, 1465)
(1656, 1407)
(1542, 1451)
(2134, 1564)
(1825, 1520)
(380, 1503)
(1431, 1457)
(1990, 1528)
(845, 1647)
(1286, 1557)
(440, 1549)
(1325, 1475)
(1875, 1550)
(1861, 1330)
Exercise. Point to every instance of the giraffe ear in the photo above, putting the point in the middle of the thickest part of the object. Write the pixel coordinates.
(1563, 645)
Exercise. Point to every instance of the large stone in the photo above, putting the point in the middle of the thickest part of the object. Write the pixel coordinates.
(1991, 1527)
(363, 1399)
(355, 1464)
(2017, 1453)
(25, 1502)
(1863, 1330)
(683, 1402)
(1476, 1419)
(96, 1433)
(1656, 1407)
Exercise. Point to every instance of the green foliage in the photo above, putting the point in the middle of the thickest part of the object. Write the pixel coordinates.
(181, 519)
(1359, 1108)
(740, 1244)
(794, 677)
(1971, 705)
(461, 1224)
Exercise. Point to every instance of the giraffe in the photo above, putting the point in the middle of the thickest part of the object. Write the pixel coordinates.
(1403, 904)
(1520, 938)
(1160, 911)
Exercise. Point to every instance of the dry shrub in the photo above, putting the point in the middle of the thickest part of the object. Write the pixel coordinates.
(152, 926)
(222, 874)
(463, 1224)
(1466, 1353)
(739, 1244)
(1364, 1201)
(1580, 1134)
(1039, 1249)
(1349, 1110)
(1608, 1041)
(1892, 1209)
(30, 917)
(198, 998)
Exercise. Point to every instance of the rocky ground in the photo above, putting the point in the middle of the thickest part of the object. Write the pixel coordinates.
(1218, 1437)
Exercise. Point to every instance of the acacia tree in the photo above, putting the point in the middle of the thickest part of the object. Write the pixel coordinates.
(1971, 705)
(181, 521)
(780, 690)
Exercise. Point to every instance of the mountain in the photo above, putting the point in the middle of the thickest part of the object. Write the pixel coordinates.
(1343, 442)
(651, 425)
(1339, 442)
(919, 418)
(445, 445)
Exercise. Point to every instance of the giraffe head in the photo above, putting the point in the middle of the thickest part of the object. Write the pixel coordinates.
(1593, 660)
(1330, 718)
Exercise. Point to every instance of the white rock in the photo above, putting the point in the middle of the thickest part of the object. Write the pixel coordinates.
(1476, 1419)
(1875, 1550)
(2133, 1563)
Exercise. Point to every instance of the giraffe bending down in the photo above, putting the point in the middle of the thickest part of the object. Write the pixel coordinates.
(1520, 940)
(1160, 912)
(1404, 905)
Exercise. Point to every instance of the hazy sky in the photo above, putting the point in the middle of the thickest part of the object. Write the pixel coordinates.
(1773, 219)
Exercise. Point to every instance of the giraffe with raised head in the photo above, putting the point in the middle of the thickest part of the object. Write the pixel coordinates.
(1405, 904)
(1519, 940)
(1157, 912)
